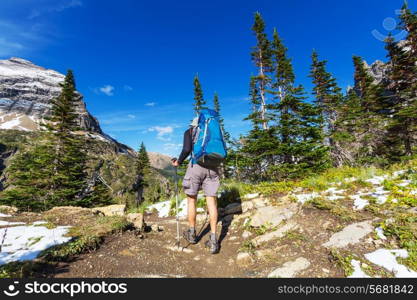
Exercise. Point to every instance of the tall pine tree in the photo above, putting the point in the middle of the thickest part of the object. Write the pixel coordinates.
(199, 102)
(328, 98)
(369, 131)
(299, 126)
(402, 126)
(70, 157)
(256, 150)
(216, 104)
(261, 57)
(142, 170)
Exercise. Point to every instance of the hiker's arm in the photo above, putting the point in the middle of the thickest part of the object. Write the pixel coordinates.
(186, 148)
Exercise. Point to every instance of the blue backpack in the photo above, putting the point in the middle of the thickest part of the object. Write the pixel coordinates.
(209, 148)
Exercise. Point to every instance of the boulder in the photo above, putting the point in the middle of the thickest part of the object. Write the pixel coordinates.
(112, 210)
(272, 215)
(264, 253)
(254, 203)
(5, 209)
(137, 220)
(350, 235)
(244, 259)
(69, 210)
(279, 233)
(246, 234)
(155, 227)
(290, 269)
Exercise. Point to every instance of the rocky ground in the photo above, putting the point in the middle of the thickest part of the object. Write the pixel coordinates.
(340, 231)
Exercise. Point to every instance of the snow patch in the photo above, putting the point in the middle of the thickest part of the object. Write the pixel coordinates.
(10, 124)
(334, 193)
(380, 194)
(404, 183)
(380, 233)
(40, 222)
(5, 223)
(357, 270)
(359, 203)
(27, 242)
(251, 196)
(163, 208)
(388, 259)
(398, 173)
(302, 198)
(377, 180)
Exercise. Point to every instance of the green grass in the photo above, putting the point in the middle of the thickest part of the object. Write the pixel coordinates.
(336, 208)
(343, 261)
(248, 247)
(295, 235)
(403, 227)
(25, 269)
(34, 240)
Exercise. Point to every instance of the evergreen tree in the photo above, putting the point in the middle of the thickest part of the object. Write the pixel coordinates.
(198, 95)
(328, 98)
(29, 176)
(369, 129)
(216, 103)
(255, 155)
(300, 147)
(346, 128)
(328, 94)
(70, 157)
(53, 171)
(142, 170)
(371, 94)
(261, 57)
(402, 126)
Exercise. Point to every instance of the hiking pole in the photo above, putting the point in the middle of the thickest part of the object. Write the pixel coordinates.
(176, 205)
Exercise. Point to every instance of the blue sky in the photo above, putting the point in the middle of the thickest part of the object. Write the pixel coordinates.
(134, 61)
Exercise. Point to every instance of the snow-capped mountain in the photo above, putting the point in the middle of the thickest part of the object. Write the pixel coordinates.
(25, 94)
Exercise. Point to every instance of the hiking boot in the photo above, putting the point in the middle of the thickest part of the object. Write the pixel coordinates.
(213, 244)
(190, 236)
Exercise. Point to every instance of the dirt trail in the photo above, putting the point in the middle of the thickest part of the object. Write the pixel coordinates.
(127, 255)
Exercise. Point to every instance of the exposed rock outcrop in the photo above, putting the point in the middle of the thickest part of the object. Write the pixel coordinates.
(26, 91)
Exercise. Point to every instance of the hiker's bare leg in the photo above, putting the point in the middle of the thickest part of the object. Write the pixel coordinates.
(212, 209)
(191, 210)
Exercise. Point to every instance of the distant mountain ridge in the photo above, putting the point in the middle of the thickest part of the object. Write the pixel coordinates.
(160, 161)
(26, 91)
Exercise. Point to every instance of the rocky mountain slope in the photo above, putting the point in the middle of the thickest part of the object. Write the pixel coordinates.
(25, 94)
(160, 161)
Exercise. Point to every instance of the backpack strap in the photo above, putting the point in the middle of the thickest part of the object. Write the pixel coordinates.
(194, 136)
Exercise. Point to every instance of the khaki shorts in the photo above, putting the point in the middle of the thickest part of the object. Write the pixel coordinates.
(197, 178)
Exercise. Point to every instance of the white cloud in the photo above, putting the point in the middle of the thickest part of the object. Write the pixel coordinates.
(150, 104)
(164, 133)
(106, 90)
(130, 116)
(55, 8)
(127, 88)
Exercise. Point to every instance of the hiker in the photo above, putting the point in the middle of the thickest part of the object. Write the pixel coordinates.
(204, 141)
